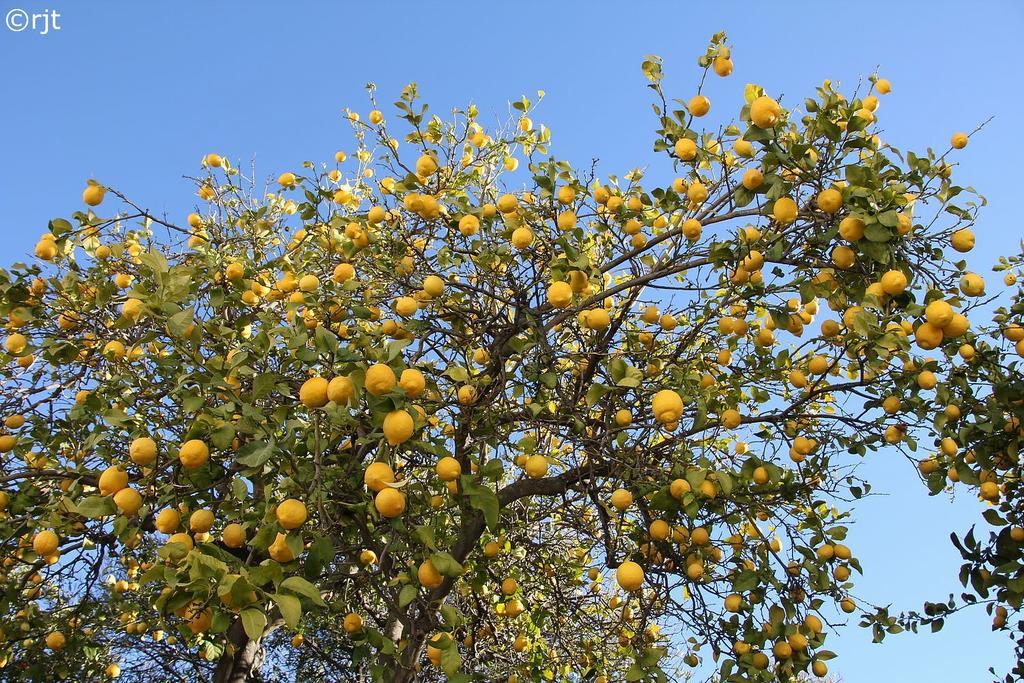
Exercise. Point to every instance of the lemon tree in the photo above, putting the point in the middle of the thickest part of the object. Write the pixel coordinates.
(450, 408)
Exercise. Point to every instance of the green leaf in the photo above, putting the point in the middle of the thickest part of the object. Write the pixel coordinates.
(299, 585)
(95, 507)
(457, 373)
(451, 660)
(254, 621)
(290, 606)
(263, 384)
(320, 555)
(446, 564)
(407, 595)
(483, 499)
(255, 453)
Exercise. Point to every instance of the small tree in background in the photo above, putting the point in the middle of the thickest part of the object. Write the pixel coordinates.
(403, 418)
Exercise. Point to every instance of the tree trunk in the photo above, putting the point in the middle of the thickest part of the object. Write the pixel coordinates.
(245, 663)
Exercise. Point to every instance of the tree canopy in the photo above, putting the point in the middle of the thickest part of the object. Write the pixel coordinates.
(449, 408)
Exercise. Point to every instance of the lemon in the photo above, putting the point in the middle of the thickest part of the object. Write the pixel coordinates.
(448, 468)
(142, 451)
(380, 379)
(193, 453)
(765, 112)
(398, 427)
(390, 503)
(629, 576)
(291, 513)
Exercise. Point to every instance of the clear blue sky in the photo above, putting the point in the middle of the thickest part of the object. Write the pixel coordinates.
(134, 93)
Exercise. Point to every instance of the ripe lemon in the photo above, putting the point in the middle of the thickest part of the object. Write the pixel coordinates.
(698, 105)
(428, 576)
(962, 240)
(939, 313)
(200, 521)
(45, 543)
(389, 503)
(378, 475)
(194, 453)
(685, 149)
(560, 294)
(398, 427)
(380, 379)
(765, 112)
(128, 501)
(894, 282)
(522, 238)
(55, 640)
(448, 468)
(412, 382)
(340, 390)
(830, 200)
(353, 623)
(958, 141)
(142, 451)
(536, 466)
(167, 521)
(93, 194)
(784, 211)
(112, 480)
(752, 178)
(291, 513)
(433, 286)
(233, 535)
(469, 225)
(629, 576)
(667, 406)
(621, 499)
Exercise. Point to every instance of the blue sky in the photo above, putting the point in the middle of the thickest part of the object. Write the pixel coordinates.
(134, 94)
